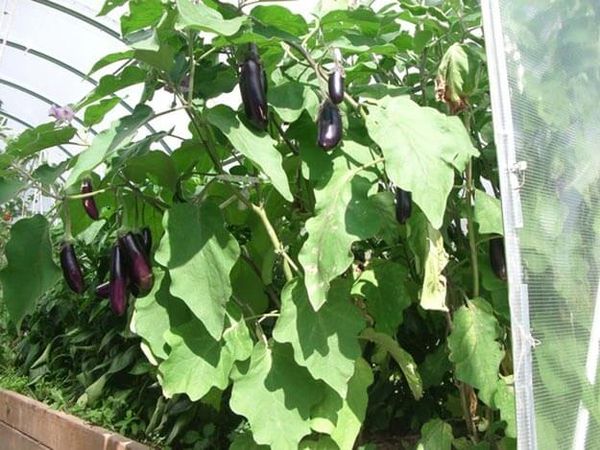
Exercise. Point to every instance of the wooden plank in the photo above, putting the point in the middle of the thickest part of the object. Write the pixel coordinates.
(12, 439)
(57, 430)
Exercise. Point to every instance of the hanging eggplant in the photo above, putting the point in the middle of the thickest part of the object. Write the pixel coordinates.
(138, 266)
(89, 204)
(336, 85)
(253, 87)
(71, 268)
(118, 282)
(329, 125)
(497, 258)
(403, 205)
(103, 290)
(147, 240)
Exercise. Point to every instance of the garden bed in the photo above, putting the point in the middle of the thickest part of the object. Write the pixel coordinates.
(26, 424)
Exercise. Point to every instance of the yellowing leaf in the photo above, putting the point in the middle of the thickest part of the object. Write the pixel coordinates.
(433, 294)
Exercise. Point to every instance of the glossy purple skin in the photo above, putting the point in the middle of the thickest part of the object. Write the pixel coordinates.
(329, 126)
(89, 204)
(253, 87)
(103, 290)
(71, 268)
(336, 86)
(497, 259)
(118, 282)
(138, 267)
(403, 205)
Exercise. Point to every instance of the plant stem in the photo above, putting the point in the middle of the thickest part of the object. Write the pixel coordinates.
(192, 67)
(89, 194)
(464, 400)
(279, 248)
(323, 76)
(35, 183)
(471, 230)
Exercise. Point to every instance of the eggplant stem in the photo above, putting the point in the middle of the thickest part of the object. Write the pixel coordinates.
(319, 71)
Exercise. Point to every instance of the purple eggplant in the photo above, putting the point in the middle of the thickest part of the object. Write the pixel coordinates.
(403, 205)
(138, 266)
(71, 268)
(118, 282)
(147, 240)
(89, 204)
(336, 85)
(329, 126)
(103, 290)
(253, 87)
(497, 259)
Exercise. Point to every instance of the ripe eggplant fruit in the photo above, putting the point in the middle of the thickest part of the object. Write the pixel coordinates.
(403, 205)
(147, 240)
(89, 204)
(103, 290)
(138, 266)
(336, 86)
(118, 282)
(329, 125)
(497, 258)
(253, 87)
(71, 268)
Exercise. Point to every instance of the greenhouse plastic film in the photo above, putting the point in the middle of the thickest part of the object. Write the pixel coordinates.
(544, 62)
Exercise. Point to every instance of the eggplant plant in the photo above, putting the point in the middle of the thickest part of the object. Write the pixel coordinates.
(282, 275)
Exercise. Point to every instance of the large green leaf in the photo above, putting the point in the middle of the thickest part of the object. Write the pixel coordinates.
(343, 418)
(281, 18)
(94, 114)
(289, 99)
(344, 213)
(109, 142)
(199, 253)
(325, 341)
(488, 213)
(197, 362)
(142, 14)
(421, 148)
(9, 188)
(157, 313)
(504, 400)
(276, 396)
(156, 166)
(109, 84)
(474, 348)
(257, 147)
(198, 16)
(383, 285)
(30, 271)
(436, 435)
(433, 294)
(404, 360)
(39, 138)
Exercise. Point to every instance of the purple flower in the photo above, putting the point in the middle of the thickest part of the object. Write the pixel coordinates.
(62, 114)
